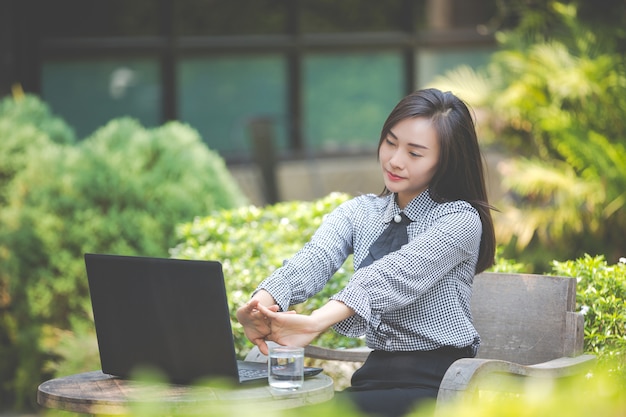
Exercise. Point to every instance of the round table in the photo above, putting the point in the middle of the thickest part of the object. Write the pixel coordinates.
(98, 393)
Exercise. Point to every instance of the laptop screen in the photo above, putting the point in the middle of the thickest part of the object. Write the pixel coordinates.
(165, 314)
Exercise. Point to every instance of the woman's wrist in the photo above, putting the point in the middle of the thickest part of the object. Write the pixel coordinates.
(329, 314)
(265, 298)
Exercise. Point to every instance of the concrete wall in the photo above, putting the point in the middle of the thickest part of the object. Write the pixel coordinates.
(313, 179)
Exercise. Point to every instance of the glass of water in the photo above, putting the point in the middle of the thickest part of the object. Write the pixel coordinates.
(286, 367)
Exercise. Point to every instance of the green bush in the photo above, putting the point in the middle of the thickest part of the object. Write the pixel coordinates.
(252, 242)
(601, 296)
(504, 265)
(26, 126)
(122, 190)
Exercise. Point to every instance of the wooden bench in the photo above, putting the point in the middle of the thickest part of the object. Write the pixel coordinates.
(529, 329)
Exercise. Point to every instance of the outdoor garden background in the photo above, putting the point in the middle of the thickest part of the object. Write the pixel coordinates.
(552, 98)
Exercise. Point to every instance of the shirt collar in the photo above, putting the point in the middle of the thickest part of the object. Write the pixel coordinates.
(413, 210)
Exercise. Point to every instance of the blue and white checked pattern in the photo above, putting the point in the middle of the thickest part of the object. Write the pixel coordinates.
(416, 298)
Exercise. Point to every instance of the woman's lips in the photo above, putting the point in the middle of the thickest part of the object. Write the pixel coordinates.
(393, 177)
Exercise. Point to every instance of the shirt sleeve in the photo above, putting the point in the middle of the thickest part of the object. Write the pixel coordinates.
(306, 273)
(401, 277)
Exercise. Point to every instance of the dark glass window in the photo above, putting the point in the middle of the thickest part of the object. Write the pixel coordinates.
(347, 98)
(218, 64)
(434, 62)
(220, 95)
(90, 93)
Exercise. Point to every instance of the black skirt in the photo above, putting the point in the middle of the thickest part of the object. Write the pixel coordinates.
(393, 383)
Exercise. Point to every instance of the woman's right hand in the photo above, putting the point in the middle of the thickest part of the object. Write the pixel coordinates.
(290, 328)
(256, 325)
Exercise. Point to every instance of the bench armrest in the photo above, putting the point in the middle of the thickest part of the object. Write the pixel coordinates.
(466, 376)
(359, 354)
(318, 352)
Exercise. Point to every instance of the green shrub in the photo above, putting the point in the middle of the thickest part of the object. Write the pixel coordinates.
(601, 296)
(29, 111)
(26, 126)
(252, 242)
(27, 129)
(122, 190)
(504, 265)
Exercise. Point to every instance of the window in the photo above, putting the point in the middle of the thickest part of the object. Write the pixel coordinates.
(347, 98)
(435, 62)
(220, 95)
(325, 72)
(89, 93)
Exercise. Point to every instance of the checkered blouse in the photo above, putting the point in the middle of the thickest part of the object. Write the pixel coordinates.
(416, 298)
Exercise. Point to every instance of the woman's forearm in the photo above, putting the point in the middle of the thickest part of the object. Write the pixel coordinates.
(265, 298)
(288, 328)
(331, 313)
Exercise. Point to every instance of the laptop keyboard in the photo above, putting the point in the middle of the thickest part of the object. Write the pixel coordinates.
(252, 373)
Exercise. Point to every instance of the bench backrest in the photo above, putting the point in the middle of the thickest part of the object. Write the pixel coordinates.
(526, 318)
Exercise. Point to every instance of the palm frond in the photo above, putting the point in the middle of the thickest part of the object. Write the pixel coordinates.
(471, 85)
(546, 201)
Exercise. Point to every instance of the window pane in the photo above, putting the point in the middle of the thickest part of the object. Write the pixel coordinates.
(228, 17)
(434, 62)
(347, 98)
(220, 96)
(88, 94)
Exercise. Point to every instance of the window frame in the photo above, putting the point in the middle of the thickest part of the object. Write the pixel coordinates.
(294, 45)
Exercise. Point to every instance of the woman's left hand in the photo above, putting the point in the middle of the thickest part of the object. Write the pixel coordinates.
(256, 325)
(290, 328)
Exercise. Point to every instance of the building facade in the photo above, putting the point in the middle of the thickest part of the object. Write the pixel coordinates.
(310, 80)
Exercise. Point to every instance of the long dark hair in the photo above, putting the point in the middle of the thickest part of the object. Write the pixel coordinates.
(459, 173)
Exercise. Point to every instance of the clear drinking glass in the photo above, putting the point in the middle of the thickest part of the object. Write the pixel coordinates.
(286, 367)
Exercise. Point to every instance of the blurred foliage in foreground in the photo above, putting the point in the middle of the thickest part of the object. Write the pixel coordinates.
(600, 393)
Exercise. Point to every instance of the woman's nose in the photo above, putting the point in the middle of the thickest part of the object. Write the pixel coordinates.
(395, 160)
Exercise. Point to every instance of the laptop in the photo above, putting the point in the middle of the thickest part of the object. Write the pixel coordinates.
(170, 315)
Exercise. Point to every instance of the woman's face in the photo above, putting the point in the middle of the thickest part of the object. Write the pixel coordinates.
(409, 156)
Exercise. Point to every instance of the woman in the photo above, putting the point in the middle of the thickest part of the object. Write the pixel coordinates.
(412, 304)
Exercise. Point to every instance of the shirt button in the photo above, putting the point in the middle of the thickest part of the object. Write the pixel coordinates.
(397, 218)
(388, 342)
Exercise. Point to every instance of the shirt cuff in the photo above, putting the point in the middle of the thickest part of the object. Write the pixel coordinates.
(357, 299)
(277, 289)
